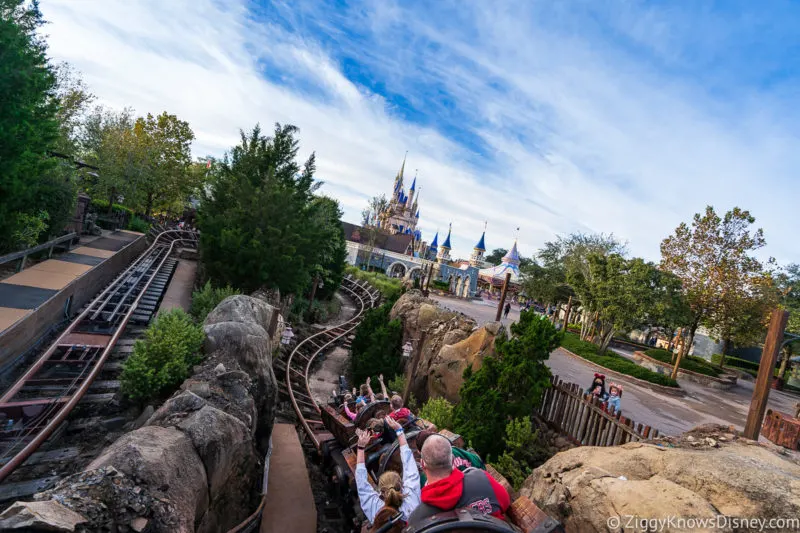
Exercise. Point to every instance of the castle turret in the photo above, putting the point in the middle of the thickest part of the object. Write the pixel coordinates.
(476, 259)
(444, 249)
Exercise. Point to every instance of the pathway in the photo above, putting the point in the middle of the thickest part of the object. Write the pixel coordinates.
(181, 286)
(669, 414)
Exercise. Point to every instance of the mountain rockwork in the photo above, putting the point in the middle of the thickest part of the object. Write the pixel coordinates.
(196, 463)
(706, 476)
(444, 342)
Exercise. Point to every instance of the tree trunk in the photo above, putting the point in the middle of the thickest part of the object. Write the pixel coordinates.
(784, 364)
(605, 340)
(726, 343)
(149, 205)
(111, 201)
(584, 323)
(685, 348)
(593, 331)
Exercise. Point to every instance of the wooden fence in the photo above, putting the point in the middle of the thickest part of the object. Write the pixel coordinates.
(585, 421)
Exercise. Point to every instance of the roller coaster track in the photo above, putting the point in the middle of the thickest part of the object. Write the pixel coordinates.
(298, 367)
(40, 401)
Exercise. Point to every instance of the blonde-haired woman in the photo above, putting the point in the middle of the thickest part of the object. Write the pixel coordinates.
(394, 492)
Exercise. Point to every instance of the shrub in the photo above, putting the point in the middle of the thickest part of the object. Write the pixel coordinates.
(612, 361)
(397, 384)
(138, 224)
(162, 360)
(688, 362)
(390, 288)
(101, 207)
(439, 412)
(439, 284)
(376, 345)
(206, 299)
(28, 229)
(736, 362)
(508, 385)
(524, 451)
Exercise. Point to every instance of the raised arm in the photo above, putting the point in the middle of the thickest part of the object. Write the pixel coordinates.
(411, 481)
(370, 502)
(383, 387)
(371, 394)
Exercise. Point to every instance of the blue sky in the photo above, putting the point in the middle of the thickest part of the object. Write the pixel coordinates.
(618, 117)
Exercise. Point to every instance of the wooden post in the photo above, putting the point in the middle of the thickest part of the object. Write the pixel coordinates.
(766, 367)
(502, 298)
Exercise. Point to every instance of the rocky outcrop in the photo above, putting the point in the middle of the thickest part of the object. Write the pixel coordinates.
(707, 473)
(196, 463)
(445, 376)
(445, 343)
(40, 516)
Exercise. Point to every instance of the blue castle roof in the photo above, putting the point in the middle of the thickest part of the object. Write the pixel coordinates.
(435, 243)
(481, 245)
(446, 243)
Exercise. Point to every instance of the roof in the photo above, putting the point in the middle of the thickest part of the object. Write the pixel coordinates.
(497, 275)
(446, 243)
(435, 242)
(512, 256)
(393, 243)
(481, 245)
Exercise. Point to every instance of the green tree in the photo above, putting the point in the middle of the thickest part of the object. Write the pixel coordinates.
(331, 248)
(30, 181)
(165, 144)
(523, 451)
(713, 260)
(439, 412)
(261, 225)
(496, 257)
(376, 346)
(508, 385)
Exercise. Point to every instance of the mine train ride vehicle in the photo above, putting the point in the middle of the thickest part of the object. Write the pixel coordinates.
(339, 459)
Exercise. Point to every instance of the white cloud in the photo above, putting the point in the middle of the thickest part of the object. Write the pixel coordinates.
(617, 147)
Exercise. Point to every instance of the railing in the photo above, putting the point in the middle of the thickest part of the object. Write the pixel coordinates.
(49, 245)
(585, 421)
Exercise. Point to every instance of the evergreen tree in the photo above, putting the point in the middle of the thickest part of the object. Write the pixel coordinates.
(261, 224)
(34, 191)
(507, 386)
(376, 345)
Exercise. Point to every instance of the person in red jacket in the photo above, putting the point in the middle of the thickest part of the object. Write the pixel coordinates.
(396, 401)
(449, 488)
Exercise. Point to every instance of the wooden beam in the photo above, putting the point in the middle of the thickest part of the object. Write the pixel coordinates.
(772, 345)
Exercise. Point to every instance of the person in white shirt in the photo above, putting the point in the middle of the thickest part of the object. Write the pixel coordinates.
(402, 495)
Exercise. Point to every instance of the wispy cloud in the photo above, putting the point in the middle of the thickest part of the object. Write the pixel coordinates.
(556, 117)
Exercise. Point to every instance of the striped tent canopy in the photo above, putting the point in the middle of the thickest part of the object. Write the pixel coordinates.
(497, 275)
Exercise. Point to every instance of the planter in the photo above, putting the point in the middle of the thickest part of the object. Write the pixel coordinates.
(672, 391)
(725, 382)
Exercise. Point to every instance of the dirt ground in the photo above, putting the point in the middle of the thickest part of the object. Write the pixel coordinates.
(669, 414)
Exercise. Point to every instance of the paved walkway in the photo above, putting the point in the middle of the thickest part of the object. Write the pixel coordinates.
(290, 502)
(181, 286)
(669, 414)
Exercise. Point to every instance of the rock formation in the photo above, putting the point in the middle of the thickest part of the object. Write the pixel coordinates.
(704, 474)
(449, 343)
(196, 463)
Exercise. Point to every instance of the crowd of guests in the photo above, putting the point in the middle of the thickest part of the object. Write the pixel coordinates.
(612, 400)
(446, 477)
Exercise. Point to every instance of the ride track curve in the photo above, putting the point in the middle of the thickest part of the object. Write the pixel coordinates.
(85, 344)
(298, 366)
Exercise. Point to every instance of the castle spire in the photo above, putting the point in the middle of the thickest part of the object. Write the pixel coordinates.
(481, 246)
(446, 243)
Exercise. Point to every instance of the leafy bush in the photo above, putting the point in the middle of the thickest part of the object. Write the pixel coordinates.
(612, 361)
(206, 299)
(508, 385)
(28, 229)
(736, 362)
(138, 224)
(440, 285)
(439, 412)
(524, 452)
(376, 345)
(101, 207)
(162, 360)
(397, 384)
(390, 288)
(688, 362)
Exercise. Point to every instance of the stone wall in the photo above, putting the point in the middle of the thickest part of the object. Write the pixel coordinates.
(444, 342)
(197, 462)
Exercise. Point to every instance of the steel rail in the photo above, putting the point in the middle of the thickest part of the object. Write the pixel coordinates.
(65, 410)
(345, 327)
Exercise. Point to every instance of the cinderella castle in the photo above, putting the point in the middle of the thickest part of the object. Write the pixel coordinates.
(390, 241)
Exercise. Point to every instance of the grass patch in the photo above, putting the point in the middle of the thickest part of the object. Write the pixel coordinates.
(689, 362)
(612, 361)
(390, 288)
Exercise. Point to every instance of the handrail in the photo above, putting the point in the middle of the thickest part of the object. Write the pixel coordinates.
(38, 248)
